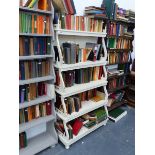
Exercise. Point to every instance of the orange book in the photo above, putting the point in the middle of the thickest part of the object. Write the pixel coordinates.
(38, 24)
(21, 47)
(29, 113)
(77, 23)
(41, 23)
(84, 51)
(42, 4)
(94, 74)
(47, 25)
(32, 23)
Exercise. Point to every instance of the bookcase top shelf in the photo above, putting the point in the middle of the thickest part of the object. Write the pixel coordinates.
(34, 10)
(79, 33)
(35, 35)
(31, 57)
(65, 67)
(34, 80)
(38, 143)
(35, 101)
(35, 122)
(87, 106)
(83, 132)
(79, 88)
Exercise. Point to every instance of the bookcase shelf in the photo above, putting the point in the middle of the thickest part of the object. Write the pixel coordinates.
(35, 80)
(118, 76)
(78, 88)
(49, 137)
(79, 33)
(124, 36)
(116, 89)
(83, 132)
(35, 101)
(87, 106)
(66, 67)
(26, 9)
(39, 143)
(31, 57)
(35, 122)
(35, 35)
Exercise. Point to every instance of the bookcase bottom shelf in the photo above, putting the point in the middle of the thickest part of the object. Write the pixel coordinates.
(38, 143)
(83, 132)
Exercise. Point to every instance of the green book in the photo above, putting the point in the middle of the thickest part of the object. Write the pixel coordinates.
(32, 4)
(111, 43)
(25, 139)
(116, 114)
(35, 23)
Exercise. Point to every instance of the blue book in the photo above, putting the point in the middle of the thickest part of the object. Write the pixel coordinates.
(26, 46)
(35, 46)
(22, 70)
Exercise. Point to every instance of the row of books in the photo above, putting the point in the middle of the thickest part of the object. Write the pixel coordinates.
(88, 121)
(38, 4)
(80, 76)
(95, 12)
(22, 140)
(74, 103)
(34, 23)
(32, 91)
(79, 23)
(34, 112)
(119, 43)
(124, 67)
(34, 46)
(116, 29)
(117, 83)
(115, 97)
(65, 6)
(72, 53)
(33, 69)
(119, 57)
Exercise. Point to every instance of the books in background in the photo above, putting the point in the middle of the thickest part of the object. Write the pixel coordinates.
(64, 6)
(115, 97)
(130, 15)
(80, 76)
(121, 14)
(115, 83)
(34, 112)
(72, 53)
(116, 29)
(119, 57)
(87, 121)
(95, 12)
(124, 67)
(33, 69)
(119, 43)
(116, 114)
(38, 4)
(34, 23)
(34, 46)
(74, 103)
(32, 91)
(79, 23)
(22, 140)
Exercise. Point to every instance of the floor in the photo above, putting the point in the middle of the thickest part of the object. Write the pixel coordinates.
(112, 139)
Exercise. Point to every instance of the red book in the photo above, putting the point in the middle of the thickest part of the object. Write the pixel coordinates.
(69, 7)
(21, 140)
(77, 126)
(48, 108)
(82, 23)
(100, 72)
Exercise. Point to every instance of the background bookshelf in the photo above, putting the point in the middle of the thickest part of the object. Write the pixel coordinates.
(120, 34)
(37, 77)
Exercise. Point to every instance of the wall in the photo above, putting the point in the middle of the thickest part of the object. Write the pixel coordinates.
(81, 4)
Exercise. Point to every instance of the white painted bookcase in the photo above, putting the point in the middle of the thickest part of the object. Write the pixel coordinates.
(80, 37)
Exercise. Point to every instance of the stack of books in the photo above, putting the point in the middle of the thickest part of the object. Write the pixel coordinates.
(120, 57)
(22, 140)
(38, 4)
(121, 14)
(32, 91)
(33, 69)
(34, 46)
(72, 53)
(120, 43)
(130, 15)
(115, 83)
(95, 12)
(34, 23)
(79, 23)
(34, 112)
(80, 76)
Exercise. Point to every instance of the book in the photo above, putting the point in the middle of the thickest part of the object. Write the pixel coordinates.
(42, 4)
(48, 108)
(32, 4)
(77, 125)
(116, 114)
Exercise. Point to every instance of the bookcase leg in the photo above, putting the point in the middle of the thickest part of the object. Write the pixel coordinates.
(66, 130)
(105, 49)
(61, 79)
(67, 147)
